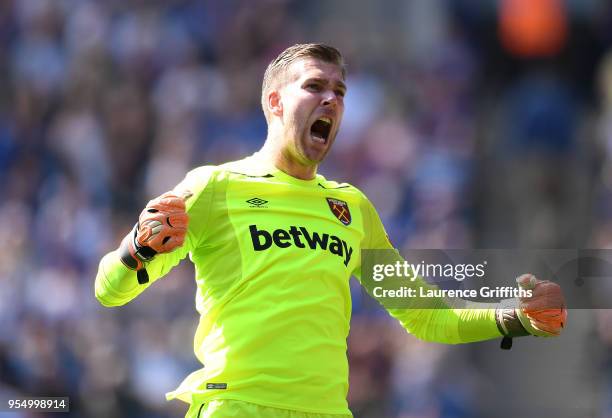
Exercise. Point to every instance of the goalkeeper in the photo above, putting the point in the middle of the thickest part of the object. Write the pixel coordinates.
(274, 245)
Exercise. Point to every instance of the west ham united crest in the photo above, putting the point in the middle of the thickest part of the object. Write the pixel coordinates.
(340, 210)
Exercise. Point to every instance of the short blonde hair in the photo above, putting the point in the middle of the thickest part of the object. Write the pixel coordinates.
(279, 65)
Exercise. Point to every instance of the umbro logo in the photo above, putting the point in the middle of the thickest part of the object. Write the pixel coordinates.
(257, 202)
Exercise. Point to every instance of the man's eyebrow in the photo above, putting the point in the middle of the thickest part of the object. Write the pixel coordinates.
(340, 83)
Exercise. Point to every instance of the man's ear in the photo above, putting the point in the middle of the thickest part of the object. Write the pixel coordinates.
(275, 103)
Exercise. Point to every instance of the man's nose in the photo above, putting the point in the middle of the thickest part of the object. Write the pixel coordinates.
(329, 99)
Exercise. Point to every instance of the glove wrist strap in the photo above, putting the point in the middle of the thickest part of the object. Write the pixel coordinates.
(509, 325)
(133, 256)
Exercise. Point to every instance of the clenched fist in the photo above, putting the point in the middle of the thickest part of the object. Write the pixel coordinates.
(543, 314)
(161, 228)
(162, 224)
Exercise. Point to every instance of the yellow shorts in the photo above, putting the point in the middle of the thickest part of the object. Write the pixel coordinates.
(226, 408)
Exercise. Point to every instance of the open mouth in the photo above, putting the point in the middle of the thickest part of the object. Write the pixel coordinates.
(320, 129)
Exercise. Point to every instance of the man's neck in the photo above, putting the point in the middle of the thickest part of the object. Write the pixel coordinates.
(284, 161)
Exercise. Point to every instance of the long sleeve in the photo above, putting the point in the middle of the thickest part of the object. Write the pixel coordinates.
(429, 319)
(117, 285)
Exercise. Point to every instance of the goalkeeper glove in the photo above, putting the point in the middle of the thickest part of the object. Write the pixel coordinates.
(161, 228)
(543, 314)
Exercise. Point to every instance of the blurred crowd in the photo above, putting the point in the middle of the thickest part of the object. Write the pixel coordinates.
(461, 133)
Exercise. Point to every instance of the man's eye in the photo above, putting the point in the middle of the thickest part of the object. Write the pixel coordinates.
(340, 93)
(313, 87)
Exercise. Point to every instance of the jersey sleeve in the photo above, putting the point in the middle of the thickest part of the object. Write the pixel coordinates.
(438, 321)
(116, 284)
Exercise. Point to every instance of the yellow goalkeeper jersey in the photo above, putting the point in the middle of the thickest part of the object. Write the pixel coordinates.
(273, 256)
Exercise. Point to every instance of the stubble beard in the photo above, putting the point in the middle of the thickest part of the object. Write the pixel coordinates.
(300, 149)
(309, 151)
(303, 150)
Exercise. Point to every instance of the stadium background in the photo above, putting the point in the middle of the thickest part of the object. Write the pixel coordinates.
(484, 124)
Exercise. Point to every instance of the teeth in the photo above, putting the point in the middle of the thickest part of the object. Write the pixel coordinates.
(318, 139)
(315, 136)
